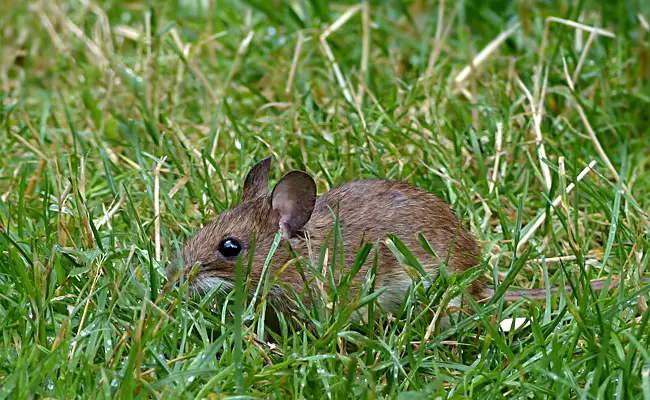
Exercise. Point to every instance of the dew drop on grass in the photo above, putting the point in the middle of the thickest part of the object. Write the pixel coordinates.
(50, 386)
(190, 379)
(271, 31)
(114, 383)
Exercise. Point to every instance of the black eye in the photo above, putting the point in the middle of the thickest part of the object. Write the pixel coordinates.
(230, 248)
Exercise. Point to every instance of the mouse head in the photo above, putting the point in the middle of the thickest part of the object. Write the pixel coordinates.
(217, 246)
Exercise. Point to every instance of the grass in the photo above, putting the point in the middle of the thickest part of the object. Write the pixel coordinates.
(115, 112)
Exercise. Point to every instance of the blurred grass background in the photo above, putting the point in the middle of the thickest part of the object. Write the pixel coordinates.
(115, 112)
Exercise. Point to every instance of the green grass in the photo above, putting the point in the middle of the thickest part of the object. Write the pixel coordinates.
(96, 95)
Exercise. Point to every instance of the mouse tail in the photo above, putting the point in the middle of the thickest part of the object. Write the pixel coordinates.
(519, 294)
(540, 294)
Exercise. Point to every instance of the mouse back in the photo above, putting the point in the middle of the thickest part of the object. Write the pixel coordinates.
(369, 210)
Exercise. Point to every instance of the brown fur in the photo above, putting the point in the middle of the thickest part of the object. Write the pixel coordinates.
(368, 210)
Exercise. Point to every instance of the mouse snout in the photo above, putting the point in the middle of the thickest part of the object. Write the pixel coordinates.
(172, 268)
(181, 266)
(177, 264)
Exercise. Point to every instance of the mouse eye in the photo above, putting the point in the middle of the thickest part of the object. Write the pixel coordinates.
(230, 248)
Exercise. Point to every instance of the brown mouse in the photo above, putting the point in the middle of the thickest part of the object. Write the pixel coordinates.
(368, 210)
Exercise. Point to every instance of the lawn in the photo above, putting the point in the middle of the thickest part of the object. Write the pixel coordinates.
(127, 125)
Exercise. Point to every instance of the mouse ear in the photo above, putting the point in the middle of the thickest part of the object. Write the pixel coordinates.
(293, 199)
(257, 180)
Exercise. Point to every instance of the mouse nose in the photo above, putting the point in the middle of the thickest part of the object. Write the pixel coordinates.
(170, 271)
(172, 268)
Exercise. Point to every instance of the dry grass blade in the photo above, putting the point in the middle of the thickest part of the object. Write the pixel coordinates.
(127, 32)
(644, 23)
(54, 36)
(107, 216)
(365, 52)
(539, 140)
(538, 222)
(583, 56)
(592, 255)
(328, 51)
(156, 205)
(92, 47)
(294, 64)
(439, 40)
(590, 131)
(497, 156)
(596, 142)
(29, 145)
(436, 315)
(573, 24)
(485, 53)
(583, 27)
(371, 95)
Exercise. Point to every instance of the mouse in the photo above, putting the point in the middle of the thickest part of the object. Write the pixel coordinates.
(368, 210)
